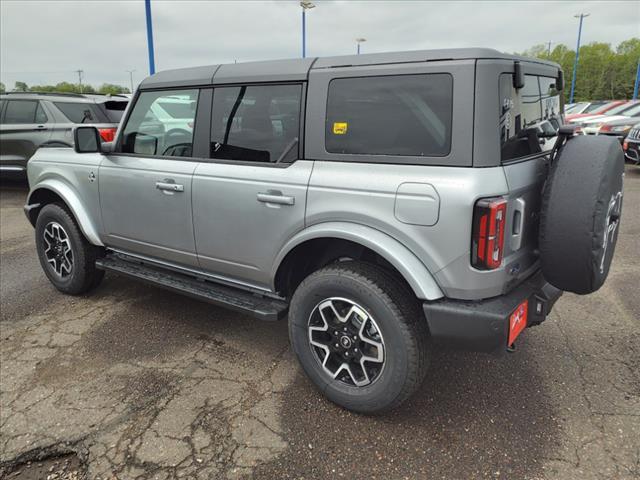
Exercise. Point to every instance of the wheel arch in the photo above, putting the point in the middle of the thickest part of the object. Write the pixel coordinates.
(322, 243)
(53, 191)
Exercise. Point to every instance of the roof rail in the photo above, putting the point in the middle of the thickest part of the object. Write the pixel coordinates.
(67, 94)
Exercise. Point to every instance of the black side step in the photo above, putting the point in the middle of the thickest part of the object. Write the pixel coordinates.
(258, 306)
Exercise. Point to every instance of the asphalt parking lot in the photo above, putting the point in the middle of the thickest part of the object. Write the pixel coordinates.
(134, 382)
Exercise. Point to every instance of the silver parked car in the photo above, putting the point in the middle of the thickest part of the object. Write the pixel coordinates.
(382, 202)
(30, 120)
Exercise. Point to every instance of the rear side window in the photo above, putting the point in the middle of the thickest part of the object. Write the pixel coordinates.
(21, 111)
(259, 123)
(407, 115)
(151, 130)
(529, 117)
(81, 112)
(114, 110)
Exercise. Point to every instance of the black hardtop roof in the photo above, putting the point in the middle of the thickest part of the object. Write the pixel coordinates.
(298, 69)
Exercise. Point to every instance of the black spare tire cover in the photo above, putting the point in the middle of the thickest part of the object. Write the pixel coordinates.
(580, 213)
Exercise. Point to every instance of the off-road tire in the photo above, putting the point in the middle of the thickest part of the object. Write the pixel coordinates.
(84, 275)
(582, 199)
(392, 304)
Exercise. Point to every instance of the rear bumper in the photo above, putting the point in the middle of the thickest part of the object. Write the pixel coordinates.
(484, 325)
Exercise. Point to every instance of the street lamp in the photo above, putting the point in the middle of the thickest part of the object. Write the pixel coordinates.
(359, 41)
(306, 5)
(131, 78)
(581, 16)
(152, 60)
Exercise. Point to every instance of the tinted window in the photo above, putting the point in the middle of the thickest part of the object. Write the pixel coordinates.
(151, 131)
(256, 123)
(41, 117)
(21, 111)
(390, 115)
(529, 117)
(114, 110)
(81, 112)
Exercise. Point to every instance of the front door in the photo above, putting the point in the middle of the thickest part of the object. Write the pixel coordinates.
(145, 188)
(249, 199)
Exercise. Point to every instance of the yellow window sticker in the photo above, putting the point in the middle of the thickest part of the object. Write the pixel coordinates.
(340, 128)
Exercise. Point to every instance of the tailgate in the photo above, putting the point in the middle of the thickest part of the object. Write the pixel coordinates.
(525, 180)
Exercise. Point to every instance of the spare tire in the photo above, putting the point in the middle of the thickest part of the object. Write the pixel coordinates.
(580, 213)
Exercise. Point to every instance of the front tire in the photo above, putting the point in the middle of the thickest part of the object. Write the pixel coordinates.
(360, 335)
(66, 257)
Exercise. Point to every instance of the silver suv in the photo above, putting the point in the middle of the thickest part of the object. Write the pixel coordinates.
(30, 120)
(383, 202)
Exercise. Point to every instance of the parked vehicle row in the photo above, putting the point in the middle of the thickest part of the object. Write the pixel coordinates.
(614, 118)
(30, 120)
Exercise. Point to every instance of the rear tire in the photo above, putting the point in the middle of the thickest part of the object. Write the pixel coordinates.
(66, 257)
(378, 308)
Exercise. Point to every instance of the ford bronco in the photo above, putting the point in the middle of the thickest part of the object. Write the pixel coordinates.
(382, 202)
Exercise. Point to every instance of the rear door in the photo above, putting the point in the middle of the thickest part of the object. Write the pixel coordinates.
(23, 129)
(250, 197)
(145, 188)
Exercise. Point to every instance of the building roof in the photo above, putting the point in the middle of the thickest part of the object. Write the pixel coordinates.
(298, 69)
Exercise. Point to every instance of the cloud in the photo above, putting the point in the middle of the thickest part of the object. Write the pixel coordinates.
(45, 41)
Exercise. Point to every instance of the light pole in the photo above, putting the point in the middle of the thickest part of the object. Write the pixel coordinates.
(306, 5)
(80, 72)
(359, 41)
(635, 86)
(581, 16)
(152, 61)
(131, 78)
(549, 49)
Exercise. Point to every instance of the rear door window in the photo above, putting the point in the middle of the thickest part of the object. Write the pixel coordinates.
(78, 112)
(21, 111)
(151, 130)
(407, 115)
(256, 123)
(529, 117)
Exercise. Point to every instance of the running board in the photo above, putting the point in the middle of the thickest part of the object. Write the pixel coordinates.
(260, 307)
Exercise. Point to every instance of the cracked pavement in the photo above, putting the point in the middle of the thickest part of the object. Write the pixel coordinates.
(142, 383)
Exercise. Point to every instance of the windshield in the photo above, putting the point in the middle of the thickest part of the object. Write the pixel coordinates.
(619, 109)
(576, 107)
(594, 106)
(632, 111)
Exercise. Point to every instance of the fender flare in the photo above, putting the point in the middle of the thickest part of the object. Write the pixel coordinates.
(410, 267)
(72, 200)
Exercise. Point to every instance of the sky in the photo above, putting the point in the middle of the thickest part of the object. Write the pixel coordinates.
(44, 42)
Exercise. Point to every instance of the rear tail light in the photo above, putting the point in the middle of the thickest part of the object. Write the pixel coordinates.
(625, 145)
(605, 128)
(107, 134)
(487, 242)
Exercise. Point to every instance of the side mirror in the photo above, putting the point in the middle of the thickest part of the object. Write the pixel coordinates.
(86, 140)
(518, 76)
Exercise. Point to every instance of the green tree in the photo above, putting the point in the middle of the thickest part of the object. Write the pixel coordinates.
(603, 73)
(111, 89)
(2, 88)
(21, 87)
